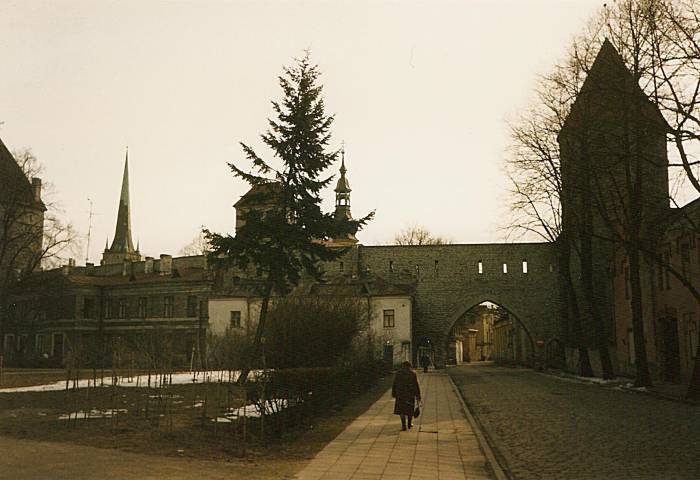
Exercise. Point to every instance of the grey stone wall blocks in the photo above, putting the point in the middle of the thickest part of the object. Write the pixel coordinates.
(447, 289)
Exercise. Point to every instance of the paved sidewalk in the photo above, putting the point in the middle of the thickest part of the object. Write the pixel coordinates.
(441, 445)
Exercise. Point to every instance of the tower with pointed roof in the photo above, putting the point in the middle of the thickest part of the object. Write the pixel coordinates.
(122, 247)
(614, 181)
(342, 203)
(342, 193)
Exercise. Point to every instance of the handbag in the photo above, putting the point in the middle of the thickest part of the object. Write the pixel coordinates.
(416, 411)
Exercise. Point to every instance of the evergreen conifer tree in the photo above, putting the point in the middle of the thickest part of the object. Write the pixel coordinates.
(285, 238)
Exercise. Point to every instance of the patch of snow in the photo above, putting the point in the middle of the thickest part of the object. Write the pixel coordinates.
(179, 378)
(91, 414)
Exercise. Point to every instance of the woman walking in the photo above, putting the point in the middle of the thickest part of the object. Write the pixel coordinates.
(406, 391)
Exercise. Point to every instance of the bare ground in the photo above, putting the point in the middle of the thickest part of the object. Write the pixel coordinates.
(132, 447)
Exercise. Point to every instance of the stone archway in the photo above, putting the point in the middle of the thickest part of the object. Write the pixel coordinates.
(448, 280)
(471, 303)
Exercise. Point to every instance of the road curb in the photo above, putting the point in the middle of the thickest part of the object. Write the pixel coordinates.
(491, 458)
(620, 383)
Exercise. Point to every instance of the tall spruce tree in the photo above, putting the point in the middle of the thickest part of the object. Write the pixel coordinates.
(285, 237)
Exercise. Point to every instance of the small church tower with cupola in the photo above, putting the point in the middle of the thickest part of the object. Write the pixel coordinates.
(342, 193)
(342, 204)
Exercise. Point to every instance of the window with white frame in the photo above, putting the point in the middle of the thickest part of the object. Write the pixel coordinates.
(143, 307)
(168, 307)
(122, 308)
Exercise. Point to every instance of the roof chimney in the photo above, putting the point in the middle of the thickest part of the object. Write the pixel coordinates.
(166, 264)
(36, 189)
(148, 265)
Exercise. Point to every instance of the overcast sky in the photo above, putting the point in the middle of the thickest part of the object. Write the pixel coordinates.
(421, 91)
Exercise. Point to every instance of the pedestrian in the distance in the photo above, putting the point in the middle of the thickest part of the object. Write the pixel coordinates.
(406, 392)
(424, 362)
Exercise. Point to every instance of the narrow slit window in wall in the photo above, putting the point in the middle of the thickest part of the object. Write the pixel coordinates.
(481, 267)
(524, 266)
(391, 265)
(505, 268)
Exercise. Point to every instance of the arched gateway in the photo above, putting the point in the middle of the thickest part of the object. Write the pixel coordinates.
(451, 279)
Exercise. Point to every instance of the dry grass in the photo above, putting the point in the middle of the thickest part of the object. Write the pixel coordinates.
(182, 432)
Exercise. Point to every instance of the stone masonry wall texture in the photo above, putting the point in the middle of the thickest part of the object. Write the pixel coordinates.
(448, 284)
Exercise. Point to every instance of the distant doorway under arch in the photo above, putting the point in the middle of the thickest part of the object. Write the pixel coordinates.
(488, 331)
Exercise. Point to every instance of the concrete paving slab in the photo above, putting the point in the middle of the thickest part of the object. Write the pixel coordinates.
(440, 446)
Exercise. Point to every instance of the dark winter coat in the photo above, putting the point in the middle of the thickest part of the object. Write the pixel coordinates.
(405, 391)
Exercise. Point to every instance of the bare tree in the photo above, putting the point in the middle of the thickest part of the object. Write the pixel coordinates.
(198, 246)
(32, 235)
(418, 235)
(658, 41)
(535, 174)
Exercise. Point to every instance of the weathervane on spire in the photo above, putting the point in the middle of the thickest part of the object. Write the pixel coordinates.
(342, 156)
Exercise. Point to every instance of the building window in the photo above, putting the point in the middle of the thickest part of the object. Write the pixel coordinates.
(43, 345)
(524, 266)
(391, 265)
(692, 335)
(168, 307)
(122, 308)
(192, 306)
(481, 267)
(630, 347)
(505, 268)
(342, 267)
(108, 308)
(235, 321)
(389, 319)
(437, 267)
(143, 307)
(88, 307)
(10, 342)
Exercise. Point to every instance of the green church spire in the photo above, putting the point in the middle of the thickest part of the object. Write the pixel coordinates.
(122, 247)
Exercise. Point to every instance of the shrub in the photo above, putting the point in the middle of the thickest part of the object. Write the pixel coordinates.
(313, 389)
(312, 331)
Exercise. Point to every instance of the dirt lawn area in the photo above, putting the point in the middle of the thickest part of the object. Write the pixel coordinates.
(36, 445)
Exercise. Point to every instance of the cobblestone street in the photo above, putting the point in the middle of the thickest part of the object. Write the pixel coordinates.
(544, 427)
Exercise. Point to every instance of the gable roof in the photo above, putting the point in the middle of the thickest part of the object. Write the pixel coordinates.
(261, 194)
(14, 185)
(609, 77)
